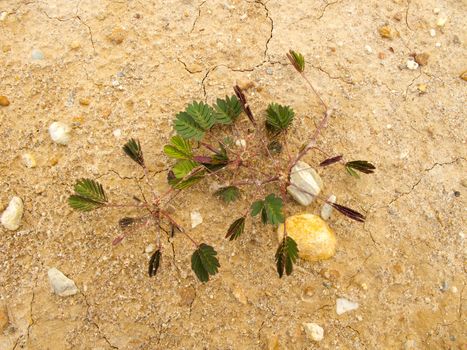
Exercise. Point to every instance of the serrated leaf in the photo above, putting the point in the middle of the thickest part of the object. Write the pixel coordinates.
(82, 203)
(183, 167)
(236, 229)
(133, 150)
(187, 128)
(154, 263)
(273, 209)
(256, 207)
(202, 114)
(286, 255)
(179, 148)
(228, 193)
(227, 110)
(204, 262)
(297, 60)
(279, 117)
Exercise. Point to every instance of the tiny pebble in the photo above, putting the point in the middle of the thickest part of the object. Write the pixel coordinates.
(269, 71)
(84, 101)
(75, 45)
(463, 75)
(196, 218)
(343, 305)
(61, 285)
(433, 32)
(411, 64)
(29, 160)
(4, 101)
(385, 32)
(37, 54)
(243, 17)
(117, 133)
(314, 331)
(422, 58)
(3, 16)
(150, 248)
(438, 45)
(436, 10)
(441, 21)
(11, 217)
(60, 132)
(422, 88)
(240, 143)
(326, 210)
(368, 49)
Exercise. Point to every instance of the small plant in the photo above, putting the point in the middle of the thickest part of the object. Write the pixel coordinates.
(202, 149)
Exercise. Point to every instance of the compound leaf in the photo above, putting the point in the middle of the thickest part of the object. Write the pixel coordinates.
(183, 167)
(228, 193)
(227, 110)
(202, 114)
(204, 262)
(179, 148)
(236, 229)
(256, 207)
(279, 117)
(133, 150)
(89, 195)
(83, 204)
(273, 209)
(286, 255)
(187, 128)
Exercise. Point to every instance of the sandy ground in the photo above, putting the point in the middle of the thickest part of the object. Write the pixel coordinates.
(138, 63)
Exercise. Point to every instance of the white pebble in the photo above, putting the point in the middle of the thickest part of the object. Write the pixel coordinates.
(11, 217)
(243, 17)
(61, 285)
(240, 143)
(411, 64)
(441, 21)
(436, 10)
(433, 32)
(326, 210)
(368, 49)
(343, 305)
(438, 45)
(196, 218)
(3, 16)
(314, 331)
(150, 248)
(60, 132)
(29, 160)
(117, 133)
(305, 183)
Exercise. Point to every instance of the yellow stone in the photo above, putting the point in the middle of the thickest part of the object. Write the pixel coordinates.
(385, 32)
(4, 101)
(421, 88)
(315, 239)
(463, 75)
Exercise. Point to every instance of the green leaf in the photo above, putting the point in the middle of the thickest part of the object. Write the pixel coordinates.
(204, 262)
(297, 60)
(133, 150)
(228, 194)
(352, 172)
(227, 110)
(83, 204)
(218, 160)
(256, 207)
(279, 117)
(236, 229)
(273, 209)
(362, 166)
(183, 167)
(202, 114)
(286, 255)
(179, 148)
(89, 195)
(187, 128)
(154, 263)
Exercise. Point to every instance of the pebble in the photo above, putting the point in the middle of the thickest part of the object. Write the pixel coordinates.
(61, 285)
(385, 32)
(438, 45)
(343, 305)
(240, 143)
(422, 88)
(441, 22)
(239, 294)
(315, 239)
(368, 49)
(117, 133)
(463, 75)
(29, 160)
(196, 218)
(3, 16)
(11, 217)
(60, 132)
(411, 64)
(75, 45)
(84, 101)
(326, 210)
(432, 32)
(117, 35)
(436, 10)
(4, 101)
(314, 331)
(37, 54)
(305, 183)
(149, 248)
(269, 71)
(422, 58)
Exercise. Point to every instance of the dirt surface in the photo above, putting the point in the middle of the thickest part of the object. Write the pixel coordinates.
(138, 63)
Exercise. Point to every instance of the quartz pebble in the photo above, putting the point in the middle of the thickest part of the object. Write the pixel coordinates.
(411, 64)
(3, 16)
(314, 331)
(149, 248)
(305, 183)
(29, 160)
(368, 49)
(343, 305)
(326, 210)
(117, 133)
(61, 285)
(315, 239)
(196, 218)
(60, 133)
(11, 217)
(37, 54)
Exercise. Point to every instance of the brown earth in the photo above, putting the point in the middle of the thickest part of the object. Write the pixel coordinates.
(140, 62)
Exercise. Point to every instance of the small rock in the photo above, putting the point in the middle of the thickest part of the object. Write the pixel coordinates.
(386, 32)
(75, 45)
(60, 133)
(117, 35)
(326, 210)
(4, 101)
(441, 22)
(305, 183)
(196, 218)
(117, 133)
(436, 10)
(84, 102)
(411, 64)
(421, 88)
(398, 16)
(315, 240)
(314, 331)
(269, 71)
(3, 16)
(463, 75)
(61, 285)
(11, 217)
(368, 49)
(149, 248)
(37, 54)
(29, 160)
(432, 32)
(422, 58)
(381, 55)
(438, 45)
(343, 305)
(239, 295)
(243, 17)
(240, 143)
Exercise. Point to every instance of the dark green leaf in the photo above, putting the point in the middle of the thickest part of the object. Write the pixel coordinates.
(82, 203)
(133, 150)
(286, 255)
(202, 114)
(228, 194)
(227, 110)
(279, 117)
(256, 207)
(273, 209)
(154, 263)
(360, 165)
(297, 60)
(179, 148)
(90, 189)
(204, 262)
(187, 128)
(352, 214)
(236, 229)
(331, 160)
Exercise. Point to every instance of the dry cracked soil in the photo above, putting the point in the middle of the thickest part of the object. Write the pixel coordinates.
(127, 67)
